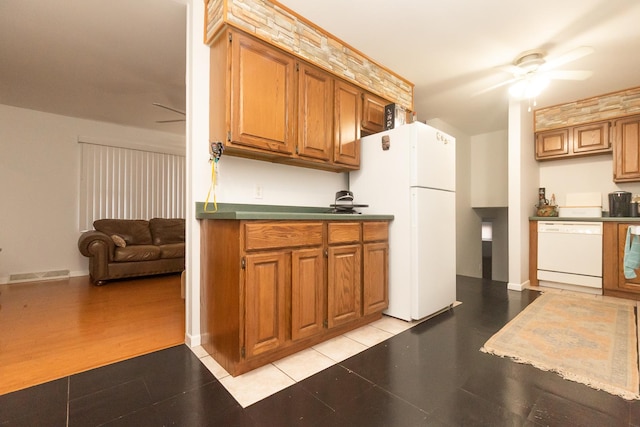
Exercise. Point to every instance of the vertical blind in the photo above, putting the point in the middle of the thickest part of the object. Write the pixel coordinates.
(125, 183)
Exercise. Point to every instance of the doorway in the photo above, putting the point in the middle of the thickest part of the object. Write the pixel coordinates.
(487, 249)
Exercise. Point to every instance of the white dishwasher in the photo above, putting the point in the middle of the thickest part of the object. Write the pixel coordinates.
(570, 255)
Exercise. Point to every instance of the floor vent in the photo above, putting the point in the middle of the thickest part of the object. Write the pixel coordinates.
(44, 275)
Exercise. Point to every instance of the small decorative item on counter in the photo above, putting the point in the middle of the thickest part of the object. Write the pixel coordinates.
(547, 210)
(544, 208)
(542, 199)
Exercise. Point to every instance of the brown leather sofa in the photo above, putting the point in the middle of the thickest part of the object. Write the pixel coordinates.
(122, 248)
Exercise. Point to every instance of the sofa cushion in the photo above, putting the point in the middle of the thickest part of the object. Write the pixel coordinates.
(137, 253)
(167, 230)
(119, 241)
(133, 231)
(172, 250)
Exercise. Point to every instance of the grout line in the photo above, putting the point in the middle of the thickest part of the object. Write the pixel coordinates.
(68, 396)
(335, 362)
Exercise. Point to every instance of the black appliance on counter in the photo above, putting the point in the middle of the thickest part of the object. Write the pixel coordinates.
(620, 204)
(344, 203)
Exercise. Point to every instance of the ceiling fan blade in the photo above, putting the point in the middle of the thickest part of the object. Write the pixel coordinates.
(168, 108)
(567, 57)
(496, 86)
(568, 74)
(511, 69)
(170, 121)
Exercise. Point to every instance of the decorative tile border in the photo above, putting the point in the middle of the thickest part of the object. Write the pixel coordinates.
(603, 107)
(280, 26)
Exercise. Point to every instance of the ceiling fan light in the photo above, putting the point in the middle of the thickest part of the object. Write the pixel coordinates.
(517, 89)
(536, 86)
(529, 88)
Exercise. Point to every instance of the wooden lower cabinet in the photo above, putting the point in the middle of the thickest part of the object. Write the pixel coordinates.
(272, 288)
(265, 302)
(376, 278)
(614, 281)
(307, 293)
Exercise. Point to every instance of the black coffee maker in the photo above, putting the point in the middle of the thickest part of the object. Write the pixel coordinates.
(619, 203)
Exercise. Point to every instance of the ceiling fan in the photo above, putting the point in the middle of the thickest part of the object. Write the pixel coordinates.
(170, 109)
(532, 71)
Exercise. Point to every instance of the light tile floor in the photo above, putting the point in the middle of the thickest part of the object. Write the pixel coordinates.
(260, 383)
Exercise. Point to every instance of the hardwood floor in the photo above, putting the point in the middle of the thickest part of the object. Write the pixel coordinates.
(53, 329)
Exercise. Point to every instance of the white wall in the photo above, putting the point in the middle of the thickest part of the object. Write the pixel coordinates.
(281, 185)
(523, 183)
(490, 193)
(489, 178)
(582, 175)
(39, 176)
(468, 223)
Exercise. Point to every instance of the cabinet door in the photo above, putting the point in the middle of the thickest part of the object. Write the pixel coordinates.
(372, 113)
(264, 302)
(626, 149)
(591, 138)
(624, 284)
(344, 284)
(346, 141)
(262, 96)
(552, 143)
(375, 283)
(315, 113)
(307, 290)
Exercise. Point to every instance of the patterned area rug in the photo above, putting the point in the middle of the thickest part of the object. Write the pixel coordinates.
(588, 339)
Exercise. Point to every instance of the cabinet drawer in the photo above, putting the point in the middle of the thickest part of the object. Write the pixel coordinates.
(272, 235)
(343, 232)
(374, 231)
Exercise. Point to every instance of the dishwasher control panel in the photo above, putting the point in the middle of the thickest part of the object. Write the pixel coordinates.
(570, 227)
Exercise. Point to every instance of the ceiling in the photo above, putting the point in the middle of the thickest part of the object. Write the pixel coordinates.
(110, 61)
(95, 59)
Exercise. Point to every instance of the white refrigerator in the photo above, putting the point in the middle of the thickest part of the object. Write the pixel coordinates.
(412, 176)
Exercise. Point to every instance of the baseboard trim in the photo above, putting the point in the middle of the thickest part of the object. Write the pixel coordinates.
(518, 286)
(192, 340)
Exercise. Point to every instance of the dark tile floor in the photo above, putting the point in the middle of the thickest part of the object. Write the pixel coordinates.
(433, 374)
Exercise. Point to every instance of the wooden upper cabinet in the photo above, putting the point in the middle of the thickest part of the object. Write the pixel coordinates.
(573, 141)
(372, 113)
(346, 142)
(262, 96)
(315, 113)
(626, 149)
(266, 104)
(591, 138)
(552, 143)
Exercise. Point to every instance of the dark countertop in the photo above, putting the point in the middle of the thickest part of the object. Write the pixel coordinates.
(588, 219)
(277, 212)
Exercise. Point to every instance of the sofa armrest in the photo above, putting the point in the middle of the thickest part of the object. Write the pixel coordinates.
(96, 244)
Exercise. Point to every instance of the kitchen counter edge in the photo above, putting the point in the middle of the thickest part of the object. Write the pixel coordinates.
(278, 212)
(587, 219)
